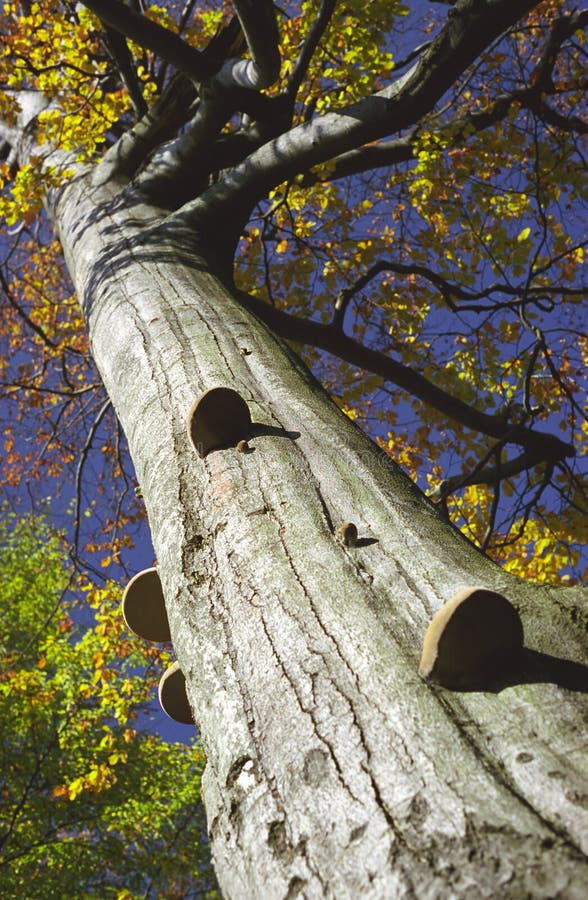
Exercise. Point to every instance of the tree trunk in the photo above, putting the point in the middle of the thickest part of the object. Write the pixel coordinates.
(333, 769)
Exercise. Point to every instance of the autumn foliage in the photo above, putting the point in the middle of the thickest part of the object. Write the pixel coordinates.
(459, 257)
(92, 802)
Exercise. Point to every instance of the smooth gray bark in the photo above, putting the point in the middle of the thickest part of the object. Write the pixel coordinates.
(333, 770)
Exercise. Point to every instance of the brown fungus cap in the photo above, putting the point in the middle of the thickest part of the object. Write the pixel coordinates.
(471, 640)
(219, 418)
(143, 607)
(173, 697)
(347, 534)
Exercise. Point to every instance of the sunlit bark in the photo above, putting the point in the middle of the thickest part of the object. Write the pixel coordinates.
(331, 766)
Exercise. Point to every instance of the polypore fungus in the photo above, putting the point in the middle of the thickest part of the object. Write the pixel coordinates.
(143, 606)
(219, 418)
(173, 697)
(347, 534)
(472, 640)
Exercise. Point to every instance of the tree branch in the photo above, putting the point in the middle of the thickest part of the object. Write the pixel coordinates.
(189, 158)
(154, 37)
(485, 543)
(528, 507)
(491, 475)
(450, 291)
(553, 117)
(333, 340)
(23, 315)
(258, 22)
(372, 156)
(80, 468)
(317, 29)
(185, 14)
(471, 27)
(117, 45)
(169, 113)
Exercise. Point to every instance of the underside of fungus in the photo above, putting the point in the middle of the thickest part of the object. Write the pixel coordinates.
(472, 640)
(218, 418)
(173, 697)
(143, 607)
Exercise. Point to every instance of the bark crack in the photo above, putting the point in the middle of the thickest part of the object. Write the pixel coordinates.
(300, 849)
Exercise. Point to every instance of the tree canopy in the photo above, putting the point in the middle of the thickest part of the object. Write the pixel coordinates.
(92, 802)
(432, 279)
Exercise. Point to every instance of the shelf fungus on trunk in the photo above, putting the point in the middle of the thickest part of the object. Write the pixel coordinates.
(143, 606)
(218, 418)
(347, 534)
(472, 641)
(173, 697)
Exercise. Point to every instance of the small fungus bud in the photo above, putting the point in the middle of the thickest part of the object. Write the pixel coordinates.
(347, 534)
(472, 640)
(143, 606)
(219, 418)
(173, 697)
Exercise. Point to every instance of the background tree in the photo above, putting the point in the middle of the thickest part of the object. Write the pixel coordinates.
(413, 212)
(91, 803)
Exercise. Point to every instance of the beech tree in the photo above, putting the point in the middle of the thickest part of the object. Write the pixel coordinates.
(396, 187)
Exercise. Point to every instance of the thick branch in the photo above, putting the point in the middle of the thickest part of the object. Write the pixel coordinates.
(122, 58)
(473, 25)
(372, 156)
(159, 124)
(333, 340)
(258, 21)
(187, 160)
(391, 153)
(556, 119)
(149, 34)
(564, 27)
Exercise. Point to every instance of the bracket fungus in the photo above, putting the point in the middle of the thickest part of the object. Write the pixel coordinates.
(218, 418)
(143, 607)
(347, 534)
(472, 640)
(173, 697)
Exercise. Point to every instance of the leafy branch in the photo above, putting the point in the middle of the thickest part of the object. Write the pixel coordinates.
(331, 339)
